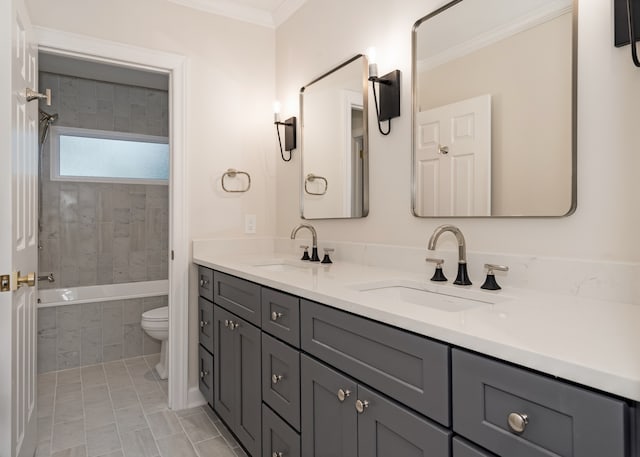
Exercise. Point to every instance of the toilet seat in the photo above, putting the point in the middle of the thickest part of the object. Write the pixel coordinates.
(156, 314)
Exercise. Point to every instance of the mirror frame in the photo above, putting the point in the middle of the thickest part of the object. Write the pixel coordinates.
(574, 116)
(365, 147)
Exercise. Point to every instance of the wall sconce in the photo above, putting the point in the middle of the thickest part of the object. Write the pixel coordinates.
(389, 87)
(627, 25)
(289, 131)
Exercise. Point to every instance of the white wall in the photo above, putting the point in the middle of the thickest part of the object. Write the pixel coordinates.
(604, 227)
(230, 91)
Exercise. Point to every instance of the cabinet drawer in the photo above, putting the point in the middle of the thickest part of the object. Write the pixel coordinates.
(238, 296)
(281, 316)
(281, 379)
(206, 374)
(205, 283)
(409, 368)
(562, 420)
(462, 448)
(277, 437)
(205, 323)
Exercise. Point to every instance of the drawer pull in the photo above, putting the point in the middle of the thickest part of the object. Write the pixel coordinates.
(227, 322)
(275, 315)
(203, 374)
(518, 422)
(276, 378)
(277, 454)
(233, 325)
(343, 394)
(361, 405)
(203, 324)
(204, 282)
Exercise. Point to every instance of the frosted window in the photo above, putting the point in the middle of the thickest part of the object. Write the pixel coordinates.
(108, 158)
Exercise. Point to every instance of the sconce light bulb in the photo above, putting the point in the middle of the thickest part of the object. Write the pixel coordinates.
(372, 56)
(276, 111)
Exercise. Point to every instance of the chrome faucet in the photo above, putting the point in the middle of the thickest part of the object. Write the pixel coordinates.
(463, 277)
(314, 235)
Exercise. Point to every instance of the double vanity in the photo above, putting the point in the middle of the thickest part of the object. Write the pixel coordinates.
(300, 358)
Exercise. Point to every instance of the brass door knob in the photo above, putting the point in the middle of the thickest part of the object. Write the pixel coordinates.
(28, 280)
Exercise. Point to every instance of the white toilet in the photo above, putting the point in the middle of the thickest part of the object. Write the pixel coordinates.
(155, 323)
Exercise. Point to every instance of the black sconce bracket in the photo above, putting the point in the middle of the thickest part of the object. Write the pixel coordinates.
(289, 136)
(389, 87)
(627, 25)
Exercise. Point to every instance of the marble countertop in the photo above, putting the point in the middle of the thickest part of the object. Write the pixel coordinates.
(590, 342)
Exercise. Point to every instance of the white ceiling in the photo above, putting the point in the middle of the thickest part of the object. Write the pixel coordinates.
(269, 13)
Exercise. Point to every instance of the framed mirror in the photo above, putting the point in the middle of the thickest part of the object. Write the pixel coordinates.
(494, 109)
(335, 144)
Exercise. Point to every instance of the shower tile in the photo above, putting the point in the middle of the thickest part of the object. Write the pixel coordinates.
(138, 96)
(87, 96)
(68, 340)
(91, 346)
(105, 238)
(69, 205)
(68, 360)
(138, 236)
(121, 275)
(87, 120)
(46, 319)
(132, 340)
(121, 101)
(112, 323)
(68, 277)
(105, 92)
(47, 350)
(91, 315)
(121, 225)
(154, 104)
(105, 203)
(104, 275)
(138, 265)
(87, 196)
(69, 317)
(122, 124)
(138, 119)
(152, 302)
(121, 197)
(111, 352)
(132, 311)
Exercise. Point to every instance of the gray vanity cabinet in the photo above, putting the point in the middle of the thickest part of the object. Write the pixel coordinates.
(205, 324)
(462, 448)
(514, 412)
(278, 439)
(205, 333)
(343, 418)
(237, 295)
(237, 396)
(206, 374)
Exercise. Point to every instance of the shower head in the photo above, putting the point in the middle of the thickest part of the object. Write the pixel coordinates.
(48, 118)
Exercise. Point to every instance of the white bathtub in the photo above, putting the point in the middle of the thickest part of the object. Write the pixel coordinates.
(107, 292)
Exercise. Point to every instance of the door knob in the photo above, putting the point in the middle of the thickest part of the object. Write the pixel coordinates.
(29, 279)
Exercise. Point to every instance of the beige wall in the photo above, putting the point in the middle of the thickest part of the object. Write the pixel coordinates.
(530, 114)
(605, 223)
(230, 91)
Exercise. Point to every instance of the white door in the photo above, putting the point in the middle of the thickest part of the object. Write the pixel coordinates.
(453, 159)
(18, 233)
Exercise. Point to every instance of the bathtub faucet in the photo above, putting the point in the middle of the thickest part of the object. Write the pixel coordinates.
(48, 277)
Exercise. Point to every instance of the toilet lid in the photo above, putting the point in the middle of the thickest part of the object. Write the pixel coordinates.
(156, 314)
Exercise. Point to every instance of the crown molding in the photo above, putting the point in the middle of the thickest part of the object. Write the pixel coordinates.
(245, 13)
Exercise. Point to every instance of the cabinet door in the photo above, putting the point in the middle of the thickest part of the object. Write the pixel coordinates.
(281, 316)
(281, 379)
(247, 376)
(239, 296)
(462, 448)
(205, 311)
(386, 428)
(205, 283)
(206, 374)
(329, 424)
(225, 389)
(278, 438)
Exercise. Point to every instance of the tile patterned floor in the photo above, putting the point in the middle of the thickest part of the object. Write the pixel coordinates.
(119, 409)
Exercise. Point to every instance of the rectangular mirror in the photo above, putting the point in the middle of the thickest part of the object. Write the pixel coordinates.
(334, 142)
(494, 90)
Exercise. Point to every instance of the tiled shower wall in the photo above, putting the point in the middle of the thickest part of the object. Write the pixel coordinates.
(70, 336)
(96, 233)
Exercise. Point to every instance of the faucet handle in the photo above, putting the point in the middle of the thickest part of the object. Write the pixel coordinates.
(305, 255)
(326, 258)
(490, 282)
(438, 274)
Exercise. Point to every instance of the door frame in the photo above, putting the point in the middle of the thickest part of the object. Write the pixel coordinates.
(176, 66)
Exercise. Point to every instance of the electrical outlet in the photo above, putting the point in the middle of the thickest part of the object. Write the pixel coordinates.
(249, 223)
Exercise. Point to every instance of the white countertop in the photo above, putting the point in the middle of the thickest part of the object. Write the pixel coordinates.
(590, 342)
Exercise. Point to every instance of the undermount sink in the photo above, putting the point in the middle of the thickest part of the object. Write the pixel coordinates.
(444, 298)
(282, 265)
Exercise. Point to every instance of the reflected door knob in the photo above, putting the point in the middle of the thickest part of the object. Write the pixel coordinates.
(518, 422)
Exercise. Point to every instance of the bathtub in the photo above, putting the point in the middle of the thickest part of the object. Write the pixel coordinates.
(106, 292)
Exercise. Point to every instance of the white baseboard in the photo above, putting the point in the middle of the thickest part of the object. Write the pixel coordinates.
(195, 398)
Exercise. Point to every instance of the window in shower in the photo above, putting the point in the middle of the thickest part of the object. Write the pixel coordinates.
(105, 156)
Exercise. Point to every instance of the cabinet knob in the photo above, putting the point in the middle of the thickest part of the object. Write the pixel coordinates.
(361, 405)
(204, 282)
(275, 315)
(203, 374)
(277, 454)
(227, 322)
(518, 422)
(343, 394)
(203, 324)
(275, 378)
(233, 325)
